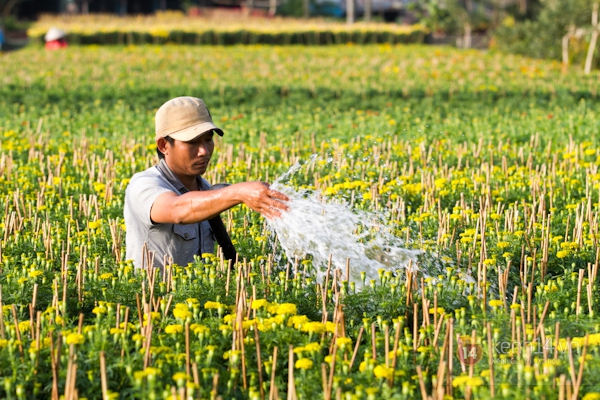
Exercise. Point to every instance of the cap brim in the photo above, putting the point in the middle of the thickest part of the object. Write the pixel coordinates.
(187, 134)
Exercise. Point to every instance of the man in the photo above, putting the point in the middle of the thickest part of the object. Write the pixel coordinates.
(170, 212)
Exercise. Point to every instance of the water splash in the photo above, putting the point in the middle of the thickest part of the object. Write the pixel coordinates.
(324, 227)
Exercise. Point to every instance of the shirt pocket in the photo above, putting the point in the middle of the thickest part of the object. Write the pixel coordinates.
(186, 232)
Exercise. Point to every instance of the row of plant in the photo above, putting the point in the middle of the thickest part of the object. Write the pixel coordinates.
(260, 76)
(501, 197)
(101, 29)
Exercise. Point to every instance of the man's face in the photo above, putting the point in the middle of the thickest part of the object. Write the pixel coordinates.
(190, 158)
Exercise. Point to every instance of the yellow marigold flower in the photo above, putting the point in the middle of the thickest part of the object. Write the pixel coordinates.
(496, 303)
(313, 347)
(330, 326)
(94, 224)
(151, 372)
(181, 311)
(342, 342)
(232, 354)
(3, 343)
(304, 363)
(181, 376)
(137, 337)
(213, 305)
(154, 315)
(99, 186)
(199, 329)
(75, 338)
(439, 310)
(114, 331)
(313, 326)
(106, 276)
(229, 318)
(24, 326)
(562, 253)
(592, 396)
(173, 329)
(297, 320)
(381, 371)
(35, 273)
(192, 301)
(287, 309)
(259, 303)
(460, 380)
(362, 366)
(475, 381)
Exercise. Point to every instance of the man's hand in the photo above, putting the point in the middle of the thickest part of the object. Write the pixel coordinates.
(198, 206)
(259, 197)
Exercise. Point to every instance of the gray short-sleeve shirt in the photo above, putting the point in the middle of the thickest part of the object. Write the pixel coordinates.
(170, 243)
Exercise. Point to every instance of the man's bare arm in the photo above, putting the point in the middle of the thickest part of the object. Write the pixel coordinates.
(198, 206)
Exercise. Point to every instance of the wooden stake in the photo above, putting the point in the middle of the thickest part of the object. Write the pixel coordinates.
(356, 346)
(373, 342)
(273, 388)
(187, 348)
(291, 382)
(259, 362)
(421, 383)
(490, 358)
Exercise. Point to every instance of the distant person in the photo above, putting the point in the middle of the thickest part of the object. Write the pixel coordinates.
(55, 39)
(172, 213)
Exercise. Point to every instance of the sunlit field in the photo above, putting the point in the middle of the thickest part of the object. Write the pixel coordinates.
(485, 163)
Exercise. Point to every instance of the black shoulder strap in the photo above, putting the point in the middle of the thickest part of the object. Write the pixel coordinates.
(216, 223)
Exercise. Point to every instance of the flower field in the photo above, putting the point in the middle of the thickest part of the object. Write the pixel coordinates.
(486, 163)
(219, 28)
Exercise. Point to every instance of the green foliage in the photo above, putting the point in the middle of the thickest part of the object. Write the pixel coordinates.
(451, 16)
(542, 36)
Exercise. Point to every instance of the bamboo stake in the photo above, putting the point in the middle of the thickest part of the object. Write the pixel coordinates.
(324, 381)
(17, 330)
(571, 362)
(66, 394)
(54, 358)
(415, 327)
(579, 285)
(273, 388)
(421, 383)
(490, 358)
(387, 345)
(449, 388)
(581, 365)
(291, 382)
(395, 352)
(373, 342)
(148, 343)
(332, 369)
(356, 346)
(259, 362)
(187, 348)
(195, 374)
(215, 386)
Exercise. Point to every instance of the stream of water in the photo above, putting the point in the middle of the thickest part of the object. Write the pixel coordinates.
(327, 228)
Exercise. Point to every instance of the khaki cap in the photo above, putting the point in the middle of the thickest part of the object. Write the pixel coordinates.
(184, 118)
